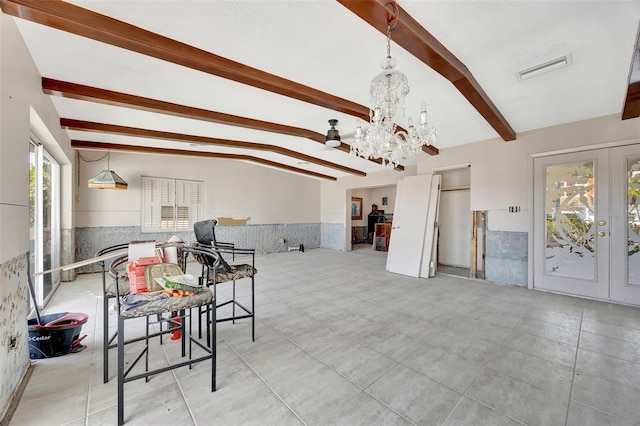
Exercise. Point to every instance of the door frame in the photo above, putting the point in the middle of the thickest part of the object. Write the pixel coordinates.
(41, 153)
(598, 285)
(530, 212)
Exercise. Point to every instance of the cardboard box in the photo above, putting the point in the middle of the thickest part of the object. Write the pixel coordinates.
(137, 280)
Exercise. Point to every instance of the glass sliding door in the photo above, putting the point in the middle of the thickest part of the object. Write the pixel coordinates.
(44, 208)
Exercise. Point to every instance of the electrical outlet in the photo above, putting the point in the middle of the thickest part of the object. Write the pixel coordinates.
(514, 209)
(13, 342)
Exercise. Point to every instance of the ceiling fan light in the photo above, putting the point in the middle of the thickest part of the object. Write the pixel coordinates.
(332, 139)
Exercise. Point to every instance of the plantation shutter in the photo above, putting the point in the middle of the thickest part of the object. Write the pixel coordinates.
(196, 208)
(150, 204)
(168, 204)
(183, 195)
(171, 204)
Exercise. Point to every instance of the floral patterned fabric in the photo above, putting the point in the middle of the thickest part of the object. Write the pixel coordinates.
(237, 272)
(111, 288)
(158, 302)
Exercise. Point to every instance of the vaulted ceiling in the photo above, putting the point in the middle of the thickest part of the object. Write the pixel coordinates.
(258, 80)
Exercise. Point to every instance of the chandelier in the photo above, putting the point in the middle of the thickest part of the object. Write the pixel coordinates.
(384, 139)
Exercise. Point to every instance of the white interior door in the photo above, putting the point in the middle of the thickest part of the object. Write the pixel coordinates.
(429, 252)
(409, 222)
(455, 228)
(587, 224)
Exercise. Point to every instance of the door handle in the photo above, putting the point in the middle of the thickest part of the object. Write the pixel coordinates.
(602, 233)
(395, 227)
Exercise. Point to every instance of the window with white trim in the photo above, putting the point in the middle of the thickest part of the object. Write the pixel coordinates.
(170, 204)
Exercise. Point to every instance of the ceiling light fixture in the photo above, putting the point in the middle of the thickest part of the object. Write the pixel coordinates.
(107, 179)
(333, 135)
(551, 65)
(388, 91)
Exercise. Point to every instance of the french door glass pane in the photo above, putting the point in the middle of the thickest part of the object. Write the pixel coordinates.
(569, 205)
(633, 220)
(33, 190)
(44, 225)
(48, 244)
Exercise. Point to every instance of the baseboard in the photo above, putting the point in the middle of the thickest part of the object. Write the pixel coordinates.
(17, 395)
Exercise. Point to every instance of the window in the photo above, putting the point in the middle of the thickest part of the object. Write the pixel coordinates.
(171, 204)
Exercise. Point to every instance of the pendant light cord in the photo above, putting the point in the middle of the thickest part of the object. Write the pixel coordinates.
(86, 160)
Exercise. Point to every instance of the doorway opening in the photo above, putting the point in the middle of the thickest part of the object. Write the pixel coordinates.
(461, 231)
(375, 207)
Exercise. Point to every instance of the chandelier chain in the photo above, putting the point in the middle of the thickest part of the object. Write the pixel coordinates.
(389, 29)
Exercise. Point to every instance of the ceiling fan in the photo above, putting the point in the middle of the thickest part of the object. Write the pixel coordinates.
(333, 138)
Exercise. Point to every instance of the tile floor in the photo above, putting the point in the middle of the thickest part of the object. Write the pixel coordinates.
(342, 342)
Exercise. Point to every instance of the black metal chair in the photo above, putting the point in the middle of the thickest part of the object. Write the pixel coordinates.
(159, 307)
(108, 294)
(224, 272)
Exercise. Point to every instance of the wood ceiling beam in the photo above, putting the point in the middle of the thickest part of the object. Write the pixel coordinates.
(81, 92)
(409, 34)
(631, 107)
(86, 23)
(430, 149)
(83, 22)
(109, 97)
(70, 124)
(168, 151)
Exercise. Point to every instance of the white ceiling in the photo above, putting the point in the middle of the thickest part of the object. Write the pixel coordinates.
(323, 45)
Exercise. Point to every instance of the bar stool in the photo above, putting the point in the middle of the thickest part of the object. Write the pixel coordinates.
(159, 307)
(108, 294)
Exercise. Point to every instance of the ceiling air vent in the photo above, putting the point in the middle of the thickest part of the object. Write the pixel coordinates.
(551, 65)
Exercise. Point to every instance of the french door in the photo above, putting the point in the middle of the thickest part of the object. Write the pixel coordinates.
(587, 223)
(44, 196)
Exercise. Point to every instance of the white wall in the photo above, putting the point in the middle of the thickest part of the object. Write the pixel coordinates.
(232, 189)
(501, 172)
(23, 109)
(21, 98)
(374, 196)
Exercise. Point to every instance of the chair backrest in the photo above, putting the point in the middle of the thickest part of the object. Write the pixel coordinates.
(117, 271)
(207, 256)
(205, 231)
(206, 236)
(103, 265)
